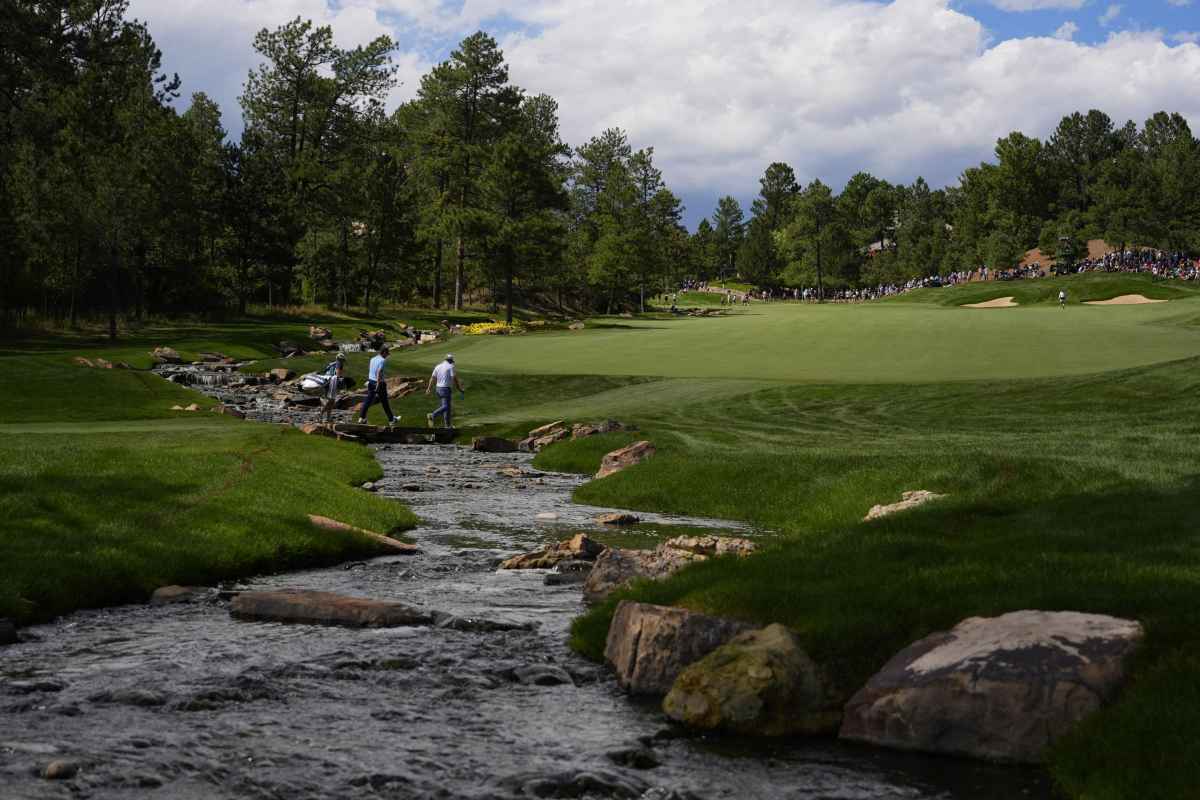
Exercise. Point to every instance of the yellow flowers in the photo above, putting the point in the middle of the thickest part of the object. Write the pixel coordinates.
(493, 329)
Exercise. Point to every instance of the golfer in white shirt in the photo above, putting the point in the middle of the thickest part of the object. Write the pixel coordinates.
(445, 380)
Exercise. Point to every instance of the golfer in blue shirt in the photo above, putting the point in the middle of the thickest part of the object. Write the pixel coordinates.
(377, 388)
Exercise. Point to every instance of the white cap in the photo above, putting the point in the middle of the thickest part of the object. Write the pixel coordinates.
(449, 356)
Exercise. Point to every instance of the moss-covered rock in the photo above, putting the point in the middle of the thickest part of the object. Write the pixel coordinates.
(761, 683)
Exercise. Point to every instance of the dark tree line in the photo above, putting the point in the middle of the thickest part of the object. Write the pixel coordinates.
(114, 203)
(1134, 187)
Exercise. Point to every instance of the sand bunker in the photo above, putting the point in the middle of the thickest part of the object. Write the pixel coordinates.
(999, 302)
(1124, 300)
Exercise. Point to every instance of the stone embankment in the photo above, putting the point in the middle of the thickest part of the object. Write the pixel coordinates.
(1000, 689)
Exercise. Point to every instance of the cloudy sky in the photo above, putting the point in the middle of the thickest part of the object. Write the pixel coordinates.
(721, 88)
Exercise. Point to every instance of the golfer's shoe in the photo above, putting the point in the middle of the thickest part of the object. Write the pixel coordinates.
(394, 421)
(362, 420)
(429, 420)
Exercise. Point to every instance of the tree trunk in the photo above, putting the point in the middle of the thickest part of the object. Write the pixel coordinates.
(437, 275)
(459, 258)
(75, 291)
(508, 292)
(114, 276)
(820, 288)
(139, 282)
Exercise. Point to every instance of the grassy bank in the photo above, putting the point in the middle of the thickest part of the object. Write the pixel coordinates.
(106, 494)
(1067, 492)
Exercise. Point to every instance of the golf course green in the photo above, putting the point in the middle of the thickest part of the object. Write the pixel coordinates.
(1064, 439)
(863, 343)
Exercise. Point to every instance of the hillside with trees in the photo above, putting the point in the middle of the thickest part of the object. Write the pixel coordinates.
(116, 204)
(1131, 186)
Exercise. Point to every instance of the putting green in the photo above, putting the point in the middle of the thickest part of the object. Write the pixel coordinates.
(869, 343)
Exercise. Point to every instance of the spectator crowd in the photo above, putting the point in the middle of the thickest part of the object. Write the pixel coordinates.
(1160, 264)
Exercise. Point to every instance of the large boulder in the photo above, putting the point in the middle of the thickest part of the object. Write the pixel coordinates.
(325, 608)
(625, 457)
(535, 444)
(289, 349)
(578, 548)
(618, 518)
(760, 683)
(493, 444)
(166, 355)
(582, 430)
(908, 500)
(649, 646)
(616, 568)
(1000, 688)
(548, 428)
(402, 388)
(713, 545)
(281, 374)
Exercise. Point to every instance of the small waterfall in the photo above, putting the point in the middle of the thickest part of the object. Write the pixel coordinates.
(206, 378)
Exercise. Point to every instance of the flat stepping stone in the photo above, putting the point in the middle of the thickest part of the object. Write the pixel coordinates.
(325, 608)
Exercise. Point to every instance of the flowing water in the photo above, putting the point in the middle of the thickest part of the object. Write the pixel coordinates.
(184, 702)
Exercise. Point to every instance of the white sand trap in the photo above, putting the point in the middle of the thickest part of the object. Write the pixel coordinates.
(1124, 300)
(999, 302)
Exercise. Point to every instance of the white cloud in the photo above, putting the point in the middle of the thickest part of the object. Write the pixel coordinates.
(721, 88)
(1110, 14)
(1038, 5)
(1180, 3)
(1066, 31)
(1186, 37)
(210, 42)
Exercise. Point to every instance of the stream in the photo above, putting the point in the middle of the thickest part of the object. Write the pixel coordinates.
(182, 701)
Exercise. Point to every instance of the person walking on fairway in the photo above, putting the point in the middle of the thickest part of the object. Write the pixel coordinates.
(445, 380)
(377, 388)
(1062, 298)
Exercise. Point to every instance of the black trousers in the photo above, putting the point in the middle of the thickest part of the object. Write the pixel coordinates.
(376, 392)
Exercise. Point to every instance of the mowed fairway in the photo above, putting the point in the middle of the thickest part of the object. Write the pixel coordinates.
(868, 343)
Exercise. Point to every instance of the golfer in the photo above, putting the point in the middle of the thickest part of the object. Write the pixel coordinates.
(445, 379)
(1062, 298)
(377, 388)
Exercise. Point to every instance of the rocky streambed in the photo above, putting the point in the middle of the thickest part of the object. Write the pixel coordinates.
(184, 701)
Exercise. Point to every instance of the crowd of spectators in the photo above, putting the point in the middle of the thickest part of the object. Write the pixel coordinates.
(1158, 263)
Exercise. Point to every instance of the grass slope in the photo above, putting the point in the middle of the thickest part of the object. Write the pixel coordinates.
(1080, 289)
(1071, 493)
(106, 494)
